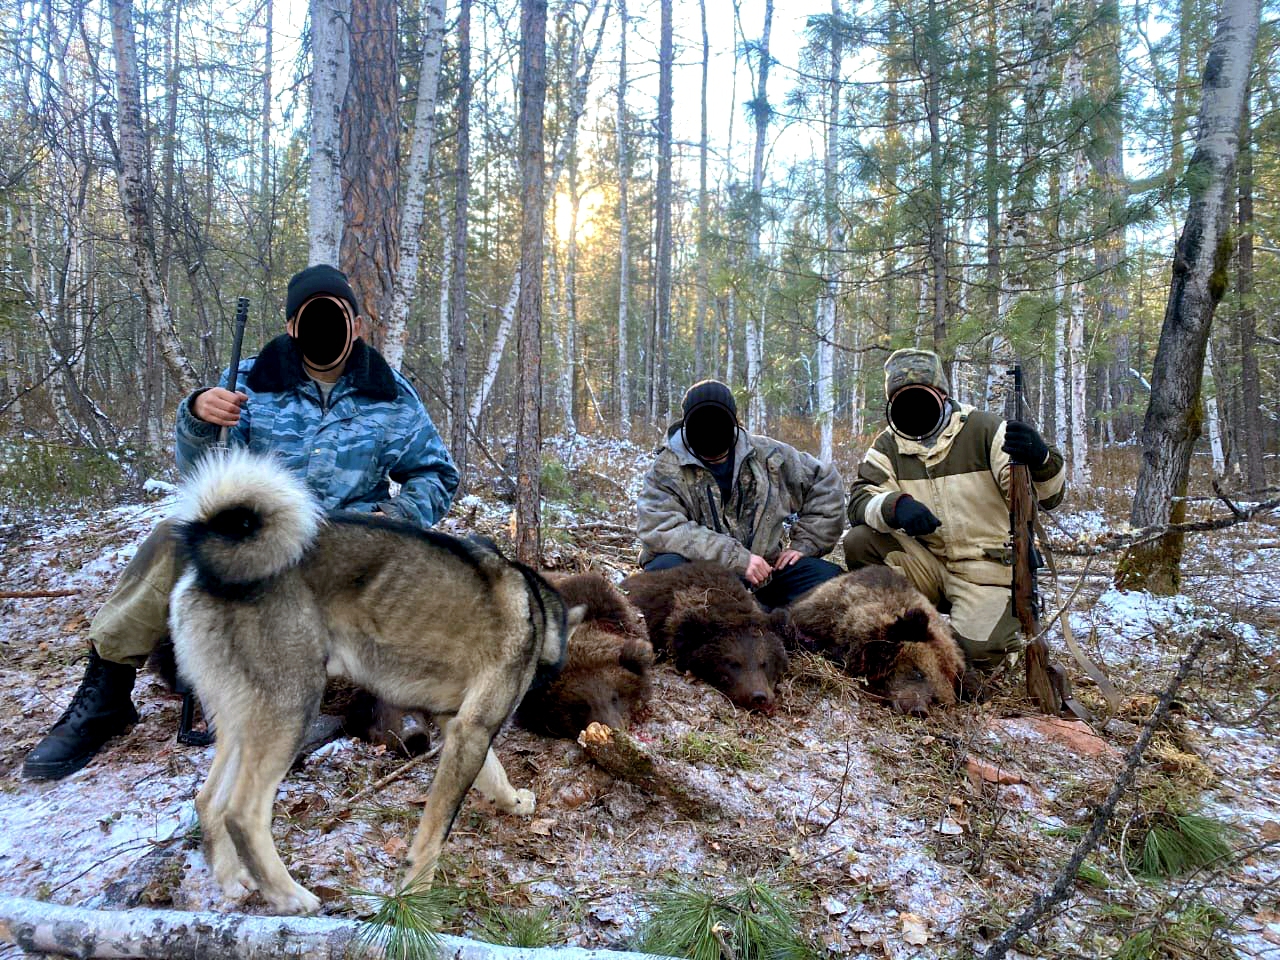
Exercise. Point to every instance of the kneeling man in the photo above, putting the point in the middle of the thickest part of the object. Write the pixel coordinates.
(716, 492)
(931, 500)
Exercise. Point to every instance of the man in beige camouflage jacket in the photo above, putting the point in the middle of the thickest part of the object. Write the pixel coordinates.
(931, 501)
(716, 492)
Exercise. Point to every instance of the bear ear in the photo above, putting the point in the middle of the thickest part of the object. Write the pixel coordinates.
(911, 627)
(575, 616)
(636, 656)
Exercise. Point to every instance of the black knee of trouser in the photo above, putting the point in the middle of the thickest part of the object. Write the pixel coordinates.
(665, 561)
(791, 583)
(864, 547)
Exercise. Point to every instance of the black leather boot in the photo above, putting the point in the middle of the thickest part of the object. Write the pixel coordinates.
(100, 709)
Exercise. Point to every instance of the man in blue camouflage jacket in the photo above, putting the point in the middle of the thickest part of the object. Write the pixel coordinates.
(327, 406)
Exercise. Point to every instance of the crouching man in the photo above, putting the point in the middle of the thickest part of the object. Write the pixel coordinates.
(931, 500)
(716, 492)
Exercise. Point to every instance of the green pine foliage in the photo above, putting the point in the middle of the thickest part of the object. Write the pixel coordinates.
(755, 922)
(1171, 844)
(404, 924)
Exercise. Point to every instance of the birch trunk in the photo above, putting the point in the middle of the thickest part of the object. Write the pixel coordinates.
(1174, 416)
(662, 211)
(624, 231)
(446, 281)
(458, 424)
(533, 86)
(755, 327)
(412, 212)
(1253, 433)
(331, 52)
(830, 197)
(1077, 181)
(135, 193)
(704, 282)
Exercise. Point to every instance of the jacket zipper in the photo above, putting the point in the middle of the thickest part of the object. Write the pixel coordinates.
(715, 516)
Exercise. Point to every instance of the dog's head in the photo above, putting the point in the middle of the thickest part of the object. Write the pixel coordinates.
(739, 652)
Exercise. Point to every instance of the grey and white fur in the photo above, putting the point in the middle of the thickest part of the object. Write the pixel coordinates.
(276, 598)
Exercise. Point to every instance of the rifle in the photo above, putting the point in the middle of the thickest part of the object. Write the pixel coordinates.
(186, 735)
(1047, 682)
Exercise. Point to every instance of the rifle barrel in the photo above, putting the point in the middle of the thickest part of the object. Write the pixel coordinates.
(237, 340)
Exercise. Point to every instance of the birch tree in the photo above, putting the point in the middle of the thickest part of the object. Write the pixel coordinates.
(624, 229)
(331, 53)
(703, 280)
(755, 322)
(412, 211)
(830, 215)
(661, 393)
(1175, 415)
(458, 424)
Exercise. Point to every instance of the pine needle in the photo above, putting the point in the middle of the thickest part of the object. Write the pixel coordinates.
(754, 923)
(1174, 844)
(519, 928)
(404, 924)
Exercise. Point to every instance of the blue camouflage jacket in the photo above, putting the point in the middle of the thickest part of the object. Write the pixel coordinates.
(374, 429)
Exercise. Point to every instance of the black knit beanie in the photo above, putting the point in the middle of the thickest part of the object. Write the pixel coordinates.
(318, 279)
(710, 425)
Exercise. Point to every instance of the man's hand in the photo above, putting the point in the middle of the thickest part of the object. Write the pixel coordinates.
(786, 558)
(1024, 445)
(219, 407)
(758, 570)
(913, 518)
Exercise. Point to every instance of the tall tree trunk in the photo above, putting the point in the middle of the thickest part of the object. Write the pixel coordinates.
(662, 214)
(1175, 414)
(1252, 431)
(135, 194)
(413, 210)
(330, 76)
(533, 88)
(937, 200)
(755, 321)
(446, 281)
(624, 230)
(831, 223)
(704, 281)
(1077, 182)
(569, 298)
(370, 129)
(458, 424)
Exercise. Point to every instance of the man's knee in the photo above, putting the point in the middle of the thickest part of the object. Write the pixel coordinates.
(988, 646)
(665, 561)
(864, 547)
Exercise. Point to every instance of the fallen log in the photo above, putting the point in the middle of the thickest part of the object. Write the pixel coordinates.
(33, 594)
(625, 758)
(51, 928)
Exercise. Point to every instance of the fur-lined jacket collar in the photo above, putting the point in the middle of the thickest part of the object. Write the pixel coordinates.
(279, 368)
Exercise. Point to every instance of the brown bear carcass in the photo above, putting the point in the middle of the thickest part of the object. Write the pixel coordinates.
(703, 616)
(877, 626)
(605, 677)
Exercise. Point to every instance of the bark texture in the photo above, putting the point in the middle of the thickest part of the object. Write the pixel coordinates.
(1175, 414)
(331, 53)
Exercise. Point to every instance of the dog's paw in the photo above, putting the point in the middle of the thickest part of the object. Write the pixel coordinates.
(236, 882)
(296, 900)
(522, 802)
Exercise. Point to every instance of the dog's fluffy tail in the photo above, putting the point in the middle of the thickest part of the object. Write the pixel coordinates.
(244, 518)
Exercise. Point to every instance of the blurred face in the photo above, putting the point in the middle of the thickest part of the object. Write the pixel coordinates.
(710, 431)
(916, 411)
(324, 328)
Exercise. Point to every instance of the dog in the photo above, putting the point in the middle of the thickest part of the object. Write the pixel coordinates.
(605, 678)
(876, 625)
(703, 616)
(275, 598)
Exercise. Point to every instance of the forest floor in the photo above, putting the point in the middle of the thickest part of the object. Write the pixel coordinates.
(893, 836)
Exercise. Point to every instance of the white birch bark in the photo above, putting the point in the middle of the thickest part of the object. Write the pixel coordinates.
(331, 53)
(506, 322)
(1061, 419)
(827, 309)
(756, 321)
(446, 285)
(624, 230)
(413, 206)
(1077, 182)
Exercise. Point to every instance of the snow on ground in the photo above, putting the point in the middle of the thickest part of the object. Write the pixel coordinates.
(878, 824)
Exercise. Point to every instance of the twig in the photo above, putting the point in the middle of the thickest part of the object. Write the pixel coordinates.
(1227, 500)
(391, 777)
(1136, 538)
(29, 594)
(1063, 886)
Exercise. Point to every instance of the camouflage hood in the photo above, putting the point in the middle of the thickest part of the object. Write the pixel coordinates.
(681, 509)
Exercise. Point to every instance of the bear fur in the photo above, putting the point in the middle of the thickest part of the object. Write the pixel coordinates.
(605, 678)
(702, 616)
(877, 626)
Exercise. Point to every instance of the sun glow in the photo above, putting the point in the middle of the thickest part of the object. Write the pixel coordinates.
(590, 202)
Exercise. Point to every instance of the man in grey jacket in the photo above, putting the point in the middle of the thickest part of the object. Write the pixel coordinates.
(716, 492)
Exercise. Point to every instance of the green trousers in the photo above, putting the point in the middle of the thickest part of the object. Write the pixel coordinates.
(981, 614)
(136, 616)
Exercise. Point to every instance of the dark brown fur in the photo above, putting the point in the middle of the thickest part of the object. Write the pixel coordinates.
(702, 616)
(605, 678)
(879, 627)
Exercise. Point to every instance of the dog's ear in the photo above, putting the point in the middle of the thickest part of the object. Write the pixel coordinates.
(636, 656)
(576, 615)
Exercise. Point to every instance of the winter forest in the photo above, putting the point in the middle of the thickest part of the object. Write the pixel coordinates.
(557, 216)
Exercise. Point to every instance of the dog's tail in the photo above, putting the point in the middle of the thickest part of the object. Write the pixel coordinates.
(243, 518)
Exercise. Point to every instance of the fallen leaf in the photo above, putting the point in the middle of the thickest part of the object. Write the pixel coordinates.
(915, 930)
(1271, 831)
(541, 827)
(981, 772)
(949, 827)
(395, 847)
(834, 907)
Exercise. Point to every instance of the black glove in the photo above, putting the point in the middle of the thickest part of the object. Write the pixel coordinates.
(1024, 445)
(913, 518)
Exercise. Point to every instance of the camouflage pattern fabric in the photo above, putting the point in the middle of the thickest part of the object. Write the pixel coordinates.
(681, 510)
(373, 429)
(908, 367)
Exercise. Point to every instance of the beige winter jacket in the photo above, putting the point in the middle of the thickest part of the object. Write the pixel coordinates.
(680, 509)
(964, 480)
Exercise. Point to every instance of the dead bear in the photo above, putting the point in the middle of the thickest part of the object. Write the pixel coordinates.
(876, 625)
(703, 616)
(606, 671)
